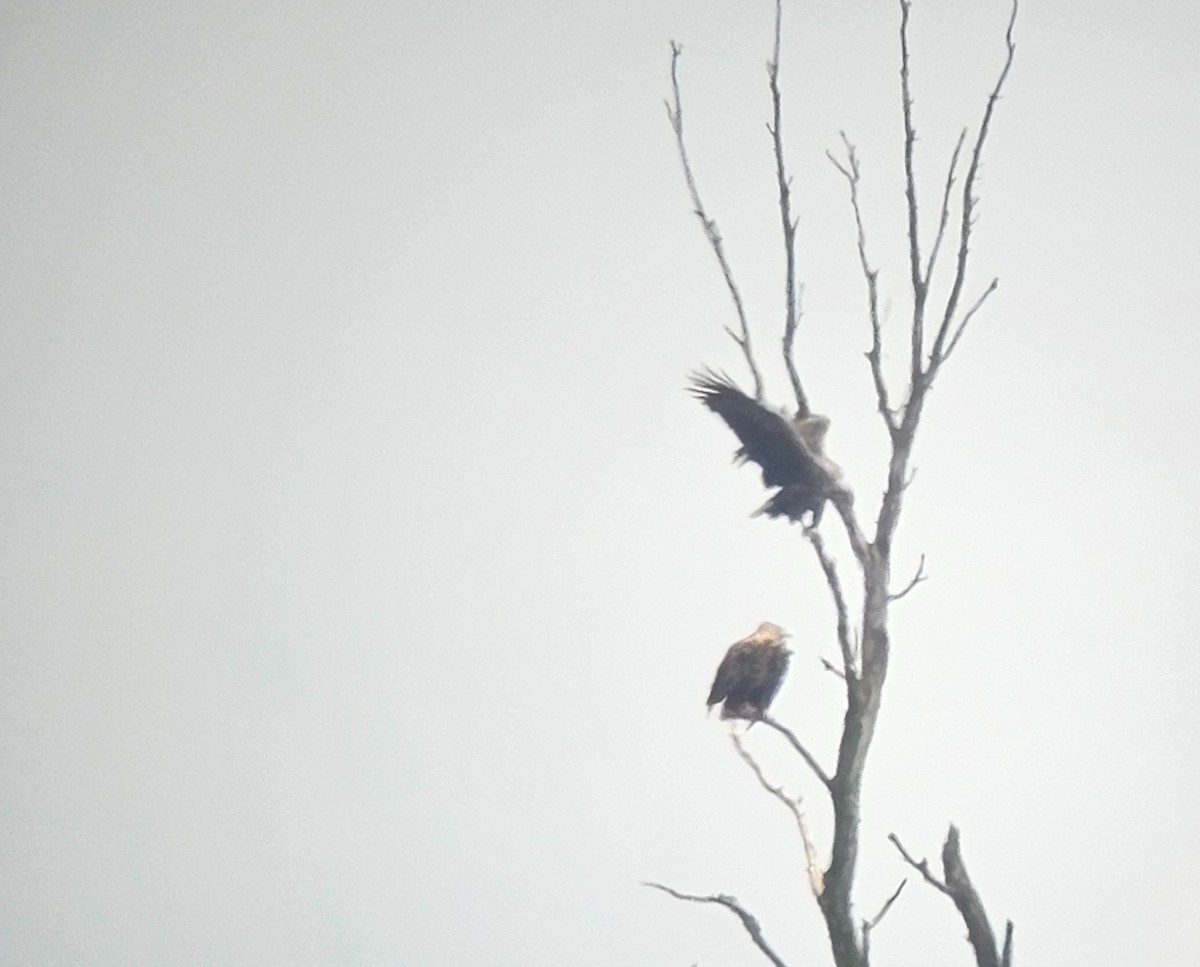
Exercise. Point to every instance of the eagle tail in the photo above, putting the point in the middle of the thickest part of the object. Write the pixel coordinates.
(794, 503)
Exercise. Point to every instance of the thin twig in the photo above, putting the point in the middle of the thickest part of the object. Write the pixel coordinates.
(850, 171)
(874, 921)
(916, 579)
(1006, 955)
(791, 291)
(711, 232)
(921, 866)
(839, 602)
(731, 904)
(944, 216)
(832, 668)
(967, 318)
(869, 925)
(804, 753)
(816, 880)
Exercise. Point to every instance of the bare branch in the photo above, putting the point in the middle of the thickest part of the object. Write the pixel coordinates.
(937, 353)
(711, 232)
(869, 925)
(816, 879)
(804, 753)
(731, 904)
(850, 172)
(839, 602)
(967, 318)
(874, 921)
(832, 668)
(921, 867)
(944, 217)
(843, 502)
(791, 291)
(970, 907)
(910, 194)
(916, 579)
(957, 885)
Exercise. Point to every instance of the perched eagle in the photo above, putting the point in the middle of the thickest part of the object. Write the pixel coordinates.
(790, 450)
(750, 674)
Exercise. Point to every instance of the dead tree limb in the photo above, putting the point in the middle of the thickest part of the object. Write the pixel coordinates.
(970, 907)
(920, 286)
(967, 318)
(832, 669)
(711, 232)
(815, 878)
(916, 579)
(956, 884)
(829, 569)
(868, 926)
(937, 355)
(807, 756)
(921, 866)
(749, 922)
(864, 693)
(850, 171)
(944, 215)
(791, 291)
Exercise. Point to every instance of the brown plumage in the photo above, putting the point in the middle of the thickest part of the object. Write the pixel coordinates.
(750, 673)
(789, 450)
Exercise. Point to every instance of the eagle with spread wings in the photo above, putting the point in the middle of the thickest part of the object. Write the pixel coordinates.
(789, 450)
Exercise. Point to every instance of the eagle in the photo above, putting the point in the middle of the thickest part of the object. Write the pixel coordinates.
(790, 450)
(750, 674)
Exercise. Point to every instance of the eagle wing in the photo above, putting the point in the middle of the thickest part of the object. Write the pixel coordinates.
(776, 665)
(748, 678)
(768, 437)
(731, 673)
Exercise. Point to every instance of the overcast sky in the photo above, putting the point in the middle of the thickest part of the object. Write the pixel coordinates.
(363, 565)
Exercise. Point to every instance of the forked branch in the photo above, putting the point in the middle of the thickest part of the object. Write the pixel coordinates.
(921, 866)
(939, 352)
(970, 907)
(957, 885)
(816, 879)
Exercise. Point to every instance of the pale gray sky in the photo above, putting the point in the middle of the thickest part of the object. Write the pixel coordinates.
(363, 565)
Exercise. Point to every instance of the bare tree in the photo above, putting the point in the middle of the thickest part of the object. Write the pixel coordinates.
(935, 332)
